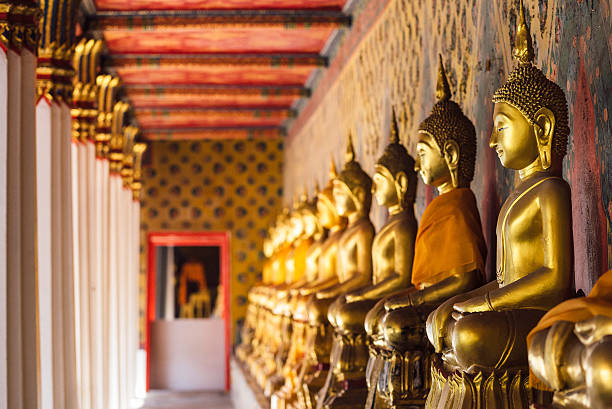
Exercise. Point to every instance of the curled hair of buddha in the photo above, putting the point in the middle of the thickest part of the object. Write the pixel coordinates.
(528, 90)
(396, 159)
(309, 205)
(327, 194)
(353, 176)
(447, 122)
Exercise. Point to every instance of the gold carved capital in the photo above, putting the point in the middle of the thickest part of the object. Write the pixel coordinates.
(19, 26)
(107, 86)
(139, 150)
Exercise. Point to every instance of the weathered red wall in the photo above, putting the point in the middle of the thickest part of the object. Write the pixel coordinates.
(390, 61)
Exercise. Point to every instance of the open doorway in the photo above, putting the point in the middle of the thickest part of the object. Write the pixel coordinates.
(188, 310)
(188, 282)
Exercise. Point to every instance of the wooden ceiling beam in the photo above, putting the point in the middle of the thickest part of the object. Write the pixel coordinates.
(213, 133)
(272, 90)
(280, 60)
(121, 20)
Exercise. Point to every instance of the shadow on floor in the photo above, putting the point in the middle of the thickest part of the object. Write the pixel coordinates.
(187, 400)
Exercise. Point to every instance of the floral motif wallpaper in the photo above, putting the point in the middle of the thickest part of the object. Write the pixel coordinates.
(230, 185)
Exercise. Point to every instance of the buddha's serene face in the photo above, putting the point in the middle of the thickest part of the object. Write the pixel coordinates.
(296, 226)
(384, 188)
(345, 204)
(268, 247)
(430, 162)
(325, 212)
(281, 233)
(309, 222)
(513, 137)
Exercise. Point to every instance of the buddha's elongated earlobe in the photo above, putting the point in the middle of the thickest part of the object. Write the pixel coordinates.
(451, 156)
(544, 129)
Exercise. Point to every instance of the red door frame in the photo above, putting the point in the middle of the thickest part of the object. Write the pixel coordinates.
(219, 239)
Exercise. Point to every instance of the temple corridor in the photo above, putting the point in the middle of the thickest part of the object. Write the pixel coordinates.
(187, 400)
(305, 204)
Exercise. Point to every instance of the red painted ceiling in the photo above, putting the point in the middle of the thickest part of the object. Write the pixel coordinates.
(200, 69)
(218, 40)
(133, 5)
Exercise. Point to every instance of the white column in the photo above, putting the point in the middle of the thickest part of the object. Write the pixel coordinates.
(113, 356)
(84, 277)
(104, 246)
(57, 289)
(133, 298)
(44, 132)
(94, 276)
(28, 229)
(13, 224)
(76, 263)
(124, 271)
(100, 290)
(67, 273)
(21, 294)
(169, 310)
(3, 227)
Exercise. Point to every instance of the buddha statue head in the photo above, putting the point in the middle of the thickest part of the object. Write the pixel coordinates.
(268, 248)
(446, 147)
(295, 222)
(326, 206)
(352, 187)
(530, 121)
(310, 219)
(394, 178)
(281, 229)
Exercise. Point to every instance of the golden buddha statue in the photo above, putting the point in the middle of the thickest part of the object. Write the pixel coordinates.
(392, 256)
(247, 332)
(256, 310)
(317, 333)
(481, 334)
(353, 197)
(303, 238)
(450, 226)
(280, 303)
(262, 357)
(570, 350)
(298, 304)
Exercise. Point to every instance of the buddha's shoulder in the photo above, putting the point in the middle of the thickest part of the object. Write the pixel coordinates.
(551, 185)
(359, 227)
(547, 192)
(364, 224)
(402, 221)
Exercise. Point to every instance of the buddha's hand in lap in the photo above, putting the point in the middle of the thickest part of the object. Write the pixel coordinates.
(594, 329)
(474, 304)
(353, 297)
(401, 300)
(437, 324)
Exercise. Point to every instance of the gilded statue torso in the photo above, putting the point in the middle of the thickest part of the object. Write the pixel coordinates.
(312, 260)
(279, 265)
(384, 247)
(327, 258)
(350, 245)
(520, 233)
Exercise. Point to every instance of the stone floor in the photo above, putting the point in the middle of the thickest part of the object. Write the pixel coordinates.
(187, 400)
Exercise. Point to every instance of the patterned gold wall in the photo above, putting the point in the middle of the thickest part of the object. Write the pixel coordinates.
(395, 65)
(232, 185)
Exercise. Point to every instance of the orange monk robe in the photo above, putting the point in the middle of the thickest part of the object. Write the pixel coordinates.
(598, 302)
(449, 240)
